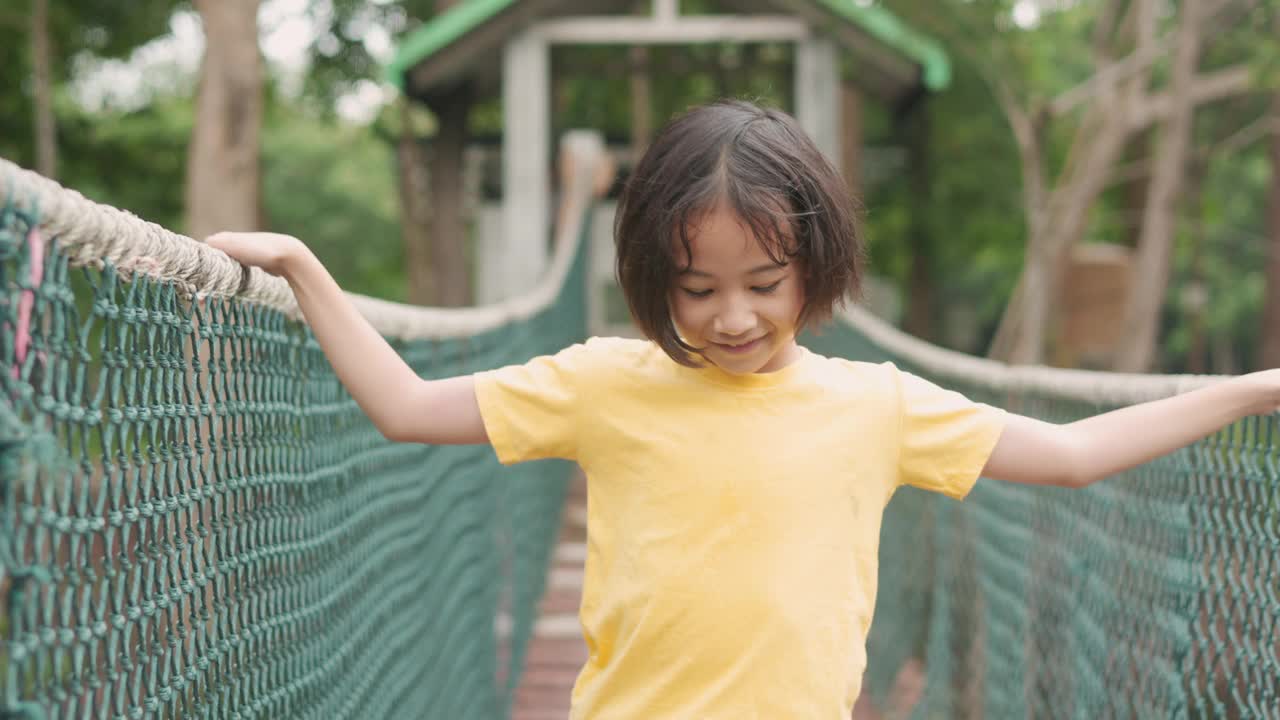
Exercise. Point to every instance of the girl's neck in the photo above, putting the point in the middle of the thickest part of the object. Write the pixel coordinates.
(786, 355)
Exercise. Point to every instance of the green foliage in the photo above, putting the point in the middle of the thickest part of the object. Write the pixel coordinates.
(134, 160)
(974, 205)
(100, 28)
(334, 187)
(972, 209)
(340, 59)
(1233, 255)
(1253, 41)
(680, 77)
(331, 185)
(109, 28)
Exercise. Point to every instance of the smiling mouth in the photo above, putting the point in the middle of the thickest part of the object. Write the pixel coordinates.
(740, 348)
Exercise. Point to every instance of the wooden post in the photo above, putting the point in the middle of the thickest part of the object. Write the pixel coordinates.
(525, 160)
(818, 94)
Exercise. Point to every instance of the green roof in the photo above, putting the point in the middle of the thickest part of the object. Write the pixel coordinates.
(440, 32)
(875, 20)
(888, 29)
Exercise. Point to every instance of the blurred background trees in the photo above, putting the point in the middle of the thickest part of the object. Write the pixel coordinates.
(1150, 126)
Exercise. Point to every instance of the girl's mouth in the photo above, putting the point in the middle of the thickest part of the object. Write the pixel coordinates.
(743, 348)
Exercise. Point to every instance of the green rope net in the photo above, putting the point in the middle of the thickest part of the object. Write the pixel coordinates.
(1155, 594)
(198, 521)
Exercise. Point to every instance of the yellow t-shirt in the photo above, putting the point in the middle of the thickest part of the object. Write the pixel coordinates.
(733, 522)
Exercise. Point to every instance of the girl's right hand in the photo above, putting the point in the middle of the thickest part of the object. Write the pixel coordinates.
(275, 253)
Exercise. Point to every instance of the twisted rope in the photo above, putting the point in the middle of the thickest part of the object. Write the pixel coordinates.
(93, 234)
(1100, 388)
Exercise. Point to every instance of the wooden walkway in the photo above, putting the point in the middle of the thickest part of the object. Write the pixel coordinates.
(557, 650)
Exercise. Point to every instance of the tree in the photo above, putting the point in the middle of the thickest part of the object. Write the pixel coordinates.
(429, 169)
(413, 185)
(42, 89)
(223, 174)
(1155, 242)
(1100, 114)
(1270, 354)
(448, 234)
(43, 39)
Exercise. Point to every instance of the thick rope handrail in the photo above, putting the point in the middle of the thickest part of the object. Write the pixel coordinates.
(1087, 386)
(91, 233)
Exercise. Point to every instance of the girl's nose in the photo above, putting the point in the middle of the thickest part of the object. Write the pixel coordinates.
(735, 319)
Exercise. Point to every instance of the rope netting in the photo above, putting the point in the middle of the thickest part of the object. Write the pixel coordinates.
(1154, 594)
(198, 521)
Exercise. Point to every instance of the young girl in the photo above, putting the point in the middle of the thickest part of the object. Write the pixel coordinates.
(736, 480)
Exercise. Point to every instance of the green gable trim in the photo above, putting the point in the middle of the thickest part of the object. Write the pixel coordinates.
(888, 29)
(438, 33)
(873, 19)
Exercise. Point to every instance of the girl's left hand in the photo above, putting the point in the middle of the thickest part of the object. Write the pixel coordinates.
(1265, 385)
(275, 253)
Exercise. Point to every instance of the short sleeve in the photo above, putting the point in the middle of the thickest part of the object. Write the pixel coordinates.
(945, 438)
(531, 411)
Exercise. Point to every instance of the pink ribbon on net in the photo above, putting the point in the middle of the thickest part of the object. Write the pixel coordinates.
(22, 338)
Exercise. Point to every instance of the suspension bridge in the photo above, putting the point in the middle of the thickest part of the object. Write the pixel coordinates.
(198, 521)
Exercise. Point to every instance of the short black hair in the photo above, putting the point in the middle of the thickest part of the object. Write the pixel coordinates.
(762, 165)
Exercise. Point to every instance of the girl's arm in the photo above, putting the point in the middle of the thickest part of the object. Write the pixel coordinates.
(1083, 452)
(403, 406)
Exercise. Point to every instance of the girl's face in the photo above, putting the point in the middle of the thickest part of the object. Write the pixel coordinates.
(732, 302)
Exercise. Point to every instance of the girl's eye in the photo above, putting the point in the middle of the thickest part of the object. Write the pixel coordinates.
(696, 293)
(767, 289)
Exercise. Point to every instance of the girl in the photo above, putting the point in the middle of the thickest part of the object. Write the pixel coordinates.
(736, 480)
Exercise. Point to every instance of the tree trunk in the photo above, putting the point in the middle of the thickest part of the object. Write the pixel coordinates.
(415, 211)
(42, 78)
(222, 190)
(641, 101)
(1053, 226)
(1057, 212)
(1196, 293)
(1270, 353)
(1138, 344)
(1137, 190)
(448, 228)
(431, 202)
(222, 165)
